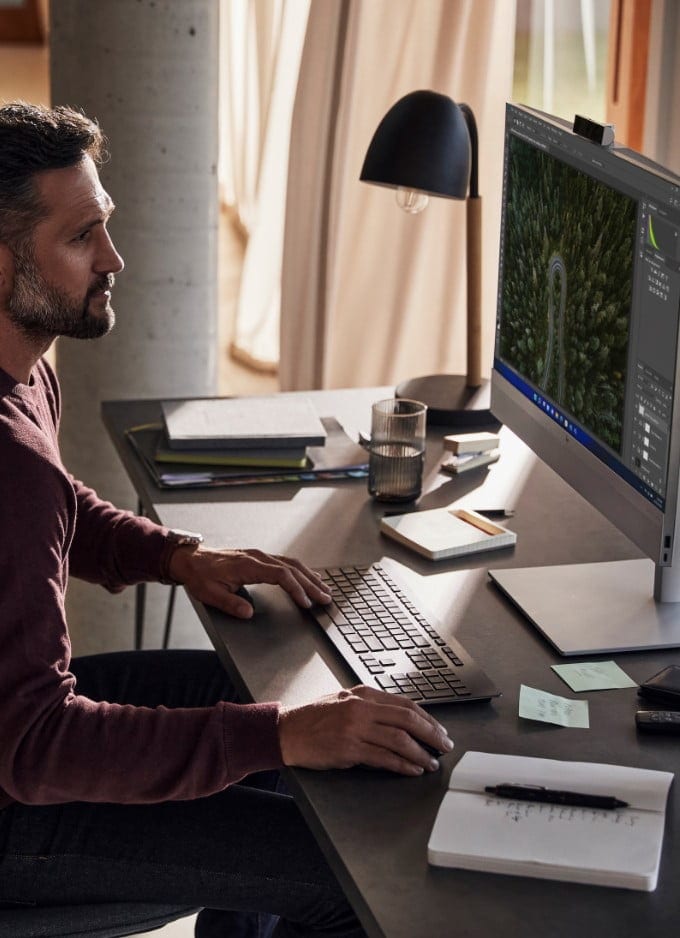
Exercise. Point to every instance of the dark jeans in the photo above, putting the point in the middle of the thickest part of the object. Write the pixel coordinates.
(246, 849)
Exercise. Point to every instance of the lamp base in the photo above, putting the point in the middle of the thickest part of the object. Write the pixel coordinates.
(451, 403)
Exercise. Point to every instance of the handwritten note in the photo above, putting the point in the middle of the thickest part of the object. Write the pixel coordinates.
(593, 675)
(549, 708)
(554, 814)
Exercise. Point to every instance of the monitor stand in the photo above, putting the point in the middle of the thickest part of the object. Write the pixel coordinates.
(594, 608)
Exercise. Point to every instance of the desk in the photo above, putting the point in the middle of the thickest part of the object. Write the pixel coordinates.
(373, 827)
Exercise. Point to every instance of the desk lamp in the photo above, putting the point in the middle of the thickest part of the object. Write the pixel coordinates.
(427, 145)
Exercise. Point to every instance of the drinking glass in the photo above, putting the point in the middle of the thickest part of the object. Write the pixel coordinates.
(397, 450)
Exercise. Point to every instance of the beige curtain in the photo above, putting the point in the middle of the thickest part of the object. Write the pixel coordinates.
(260, 48)
(371, 295)
(662, 120)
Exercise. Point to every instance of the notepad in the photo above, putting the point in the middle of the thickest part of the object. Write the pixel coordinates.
(440, 533)
(621, 847)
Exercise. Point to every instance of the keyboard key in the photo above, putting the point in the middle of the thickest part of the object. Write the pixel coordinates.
(357, 646)
(386, 682)
(374, 643)
(437, 694)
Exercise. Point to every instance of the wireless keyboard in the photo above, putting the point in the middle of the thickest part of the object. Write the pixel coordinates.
(391, 645)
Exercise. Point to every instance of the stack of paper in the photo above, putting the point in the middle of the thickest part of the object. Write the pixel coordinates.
(619, 847)
(340, 458)
(271, 432)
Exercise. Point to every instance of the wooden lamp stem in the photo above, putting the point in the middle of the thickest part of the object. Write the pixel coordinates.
(474, 290)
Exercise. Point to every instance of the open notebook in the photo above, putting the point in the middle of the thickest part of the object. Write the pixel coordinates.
(621, 847)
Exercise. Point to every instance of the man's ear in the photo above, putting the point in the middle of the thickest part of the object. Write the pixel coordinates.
(6, 273)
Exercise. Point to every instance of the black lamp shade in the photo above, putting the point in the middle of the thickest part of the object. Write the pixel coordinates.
(421, 143)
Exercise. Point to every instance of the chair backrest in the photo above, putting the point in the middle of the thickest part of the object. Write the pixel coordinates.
(105, 920)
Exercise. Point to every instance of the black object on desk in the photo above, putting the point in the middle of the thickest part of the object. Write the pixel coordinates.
(658, 721)
(551, 796)
(663, 687)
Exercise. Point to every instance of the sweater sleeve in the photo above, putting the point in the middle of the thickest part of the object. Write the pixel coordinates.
(56, 745)
(112, 547)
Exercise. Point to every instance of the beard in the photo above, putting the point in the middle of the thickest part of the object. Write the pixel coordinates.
(40, 309)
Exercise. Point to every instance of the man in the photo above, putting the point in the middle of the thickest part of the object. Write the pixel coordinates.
(129, 777)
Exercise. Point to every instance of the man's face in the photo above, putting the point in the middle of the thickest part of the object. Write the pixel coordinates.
(63, 280)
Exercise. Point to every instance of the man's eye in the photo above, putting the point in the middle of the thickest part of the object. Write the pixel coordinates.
(83, 236)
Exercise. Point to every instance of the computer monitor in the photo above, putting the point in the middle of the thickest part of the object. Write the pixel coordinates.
(586, 371)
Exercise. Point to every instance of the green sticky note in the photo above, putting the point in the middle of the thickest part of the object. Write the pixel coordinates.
(549, 708)
(593, 675)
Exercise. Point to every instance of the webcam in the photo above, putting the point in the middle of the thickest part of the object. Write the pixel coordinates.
(603, 134)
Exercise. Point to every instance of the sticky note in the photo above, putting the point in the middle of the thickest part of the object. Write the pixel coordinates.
(549, 708)
(593, 675)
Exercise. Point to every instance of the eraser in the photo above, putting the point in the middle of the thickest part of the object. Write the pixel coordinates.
(471, 442)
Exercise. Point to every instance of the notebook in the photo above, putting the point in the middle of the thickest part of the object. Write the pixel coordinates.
(242, 423)
(441, 533)
(620, 847)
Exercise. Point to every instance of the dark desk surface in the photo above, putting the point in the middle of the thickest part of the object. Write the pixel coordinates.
(373, 827)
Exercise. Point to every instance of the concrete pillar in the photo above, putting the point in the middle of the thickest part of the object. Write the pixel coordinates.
(147, 70)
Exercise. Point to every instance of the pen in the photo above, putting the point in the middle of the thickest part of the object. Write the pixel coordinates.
(550, 796)
(495, 512)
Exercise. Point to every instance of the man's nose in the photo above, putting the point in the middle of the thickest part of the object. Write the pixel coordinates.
(108, 259)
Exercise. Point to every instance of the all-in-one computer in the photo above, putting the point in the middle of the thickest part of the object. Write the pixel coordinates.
(586, 369)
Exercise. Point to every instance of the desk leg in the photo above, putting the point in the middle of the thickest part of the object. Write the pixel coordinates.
(168, 616)
(140, 607)
(140, 601)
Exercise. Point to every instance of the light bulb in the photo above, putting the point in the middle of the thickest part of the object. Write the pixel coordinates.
(411, 200)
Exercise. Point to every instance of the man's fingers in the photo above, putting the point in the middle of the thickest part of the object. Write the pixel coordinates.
(404, 713)
(403, 747)
(217, 594)
(293, 578)
(206, 571)
(377, 757)
(307, 572)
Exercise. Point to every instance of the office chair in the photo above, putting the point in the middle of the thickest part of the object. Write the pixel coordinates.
(105, 920)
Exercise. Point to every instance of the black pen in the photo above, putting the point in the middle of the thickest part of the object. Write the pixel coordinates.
(495, 512)
(550, 796)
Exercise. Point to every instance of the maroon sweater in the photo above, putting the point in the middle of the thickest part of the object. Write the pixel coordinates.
(56, 745)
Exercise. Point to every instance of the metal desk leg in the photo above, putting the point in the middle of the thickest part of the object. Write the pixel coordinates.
(140, 600)
(140, 603)
(168, 616)
(140, 606)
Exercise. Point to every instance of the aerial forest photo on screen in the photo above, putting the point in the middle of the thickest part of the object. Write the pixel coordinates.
(567, 287)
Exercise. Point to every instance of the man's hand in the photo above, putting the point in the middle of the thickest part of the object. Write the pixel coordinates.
(214, 576)
(361, 726)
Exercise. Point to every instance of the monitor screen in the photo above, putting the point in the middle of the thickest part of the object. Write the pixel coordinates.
(586, 353)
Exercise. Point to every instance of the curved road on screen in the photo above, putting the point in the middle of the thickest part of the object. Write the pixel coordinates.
(555, 267)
